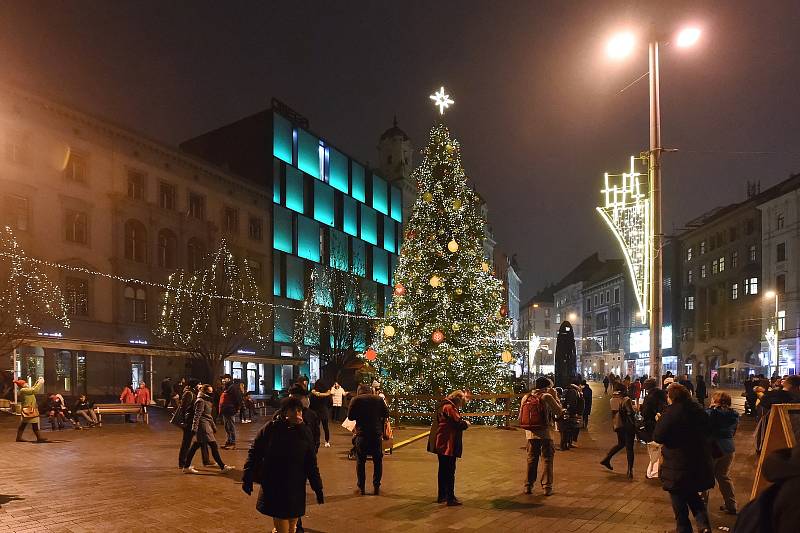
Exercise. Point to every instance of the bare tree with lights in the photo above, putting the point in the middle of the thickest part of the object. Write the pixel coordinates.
(213, 313)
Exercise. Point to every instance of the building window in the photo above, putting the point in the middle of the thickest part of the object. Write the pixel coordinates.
(135, 185)
(76, 169)
(780, 221)
(688, 303)
(722, 264)
(734, 291)
(231, 220)
(76, 224)
(781, 320)
(135, 304)
(195, 254)
(732, 234)
(702, 247)
(689, 253)
(167, 249)
(616, 295)
(781, 252)
(166, 196)
(135, 241)
(197, 206)
(615, 317)
(715, 266)
(702, 271)
(689, 276)
(751, 286)
(608, 297)
(734, 259)
(255, 229)
(780, 284)
(601, 321)
(749, 226)
(588, 304)
(76, 296)
(595, 300)
(16, 212)
(753, 253)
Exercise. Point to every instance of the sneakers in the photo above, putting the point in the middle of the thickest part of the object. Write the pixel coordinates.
(327, 444)
(190, 470)
(227, 468)
(606, 463)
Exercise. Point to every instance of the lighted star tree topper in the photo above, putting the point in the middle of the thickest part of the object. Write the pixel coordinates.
(441, 100)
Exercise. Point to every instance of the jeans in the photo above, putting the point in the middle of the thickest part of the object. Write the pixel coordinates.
(230, 428)
(545, 449)
(214, 453)
(447, 477)
(323, 418)
(365, 447)
(186, 442)
(87, 414)
(624, 440)
(681, 504)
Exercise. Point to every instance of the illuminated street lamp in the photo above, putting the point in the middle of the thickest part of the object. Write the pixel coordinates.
(772, 335)
(620, 46)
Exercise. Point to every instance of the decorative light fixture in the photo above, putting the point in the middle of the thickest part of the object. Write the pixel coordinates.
(441, 100)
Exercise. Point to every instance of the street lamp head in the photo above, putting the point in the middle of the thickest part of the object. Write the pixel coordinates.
(769, 294)
(688, 37)
(572, 317)
(620, 45)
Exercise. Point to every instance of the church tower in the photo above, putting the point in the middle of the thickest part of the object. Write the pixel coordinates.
(395, 154)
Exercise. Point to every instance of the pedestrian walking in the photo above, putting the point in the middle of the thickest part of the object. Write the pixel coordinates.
(687, 382)
(203, 428)
(143, 397)
(319, 399)
(606, 382)
(622, 418)
(445, 441)
(723, 421)
(229, 402)
(537, 409)
(127, 397)
(587, 403)
(573, 412)
(337, 398)
(166, 390)
(687, 469)
(370, 414)
(654, 403)
(183, 418)
(700, 391)
(30, 408)
(281, 459)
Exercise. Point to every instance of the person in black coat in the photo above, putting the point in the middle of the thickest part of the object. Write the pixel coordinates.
(654, 403)
(687, 467)
(281, 459)
(369, 412)
(700, 391)
(587, 403)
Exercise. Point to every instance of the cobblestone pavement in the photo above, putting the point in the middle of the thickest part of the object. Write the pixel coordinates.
(123, 478)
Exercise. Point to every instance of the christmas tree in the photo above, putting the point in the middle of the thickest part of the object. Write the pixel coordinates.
(446, 327)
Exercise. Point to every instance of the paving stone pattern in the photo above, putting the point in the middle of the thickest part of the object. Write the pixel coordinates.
(124, 478)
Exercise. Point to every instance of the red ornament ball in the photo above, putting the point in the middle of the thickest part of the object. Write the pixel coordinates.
(504, 310)
(399, 290)
(437, 337)
(371, 354)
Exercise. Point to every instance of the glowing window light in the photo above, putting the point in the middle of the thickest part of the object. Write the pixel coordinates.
(627, 213)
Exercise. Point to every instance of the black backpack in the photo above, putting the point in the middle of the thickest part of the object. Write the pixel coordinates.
(756, 516)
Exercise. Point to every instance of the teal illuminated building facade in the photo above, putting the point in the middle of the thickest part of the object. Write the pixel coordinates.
(328, 209)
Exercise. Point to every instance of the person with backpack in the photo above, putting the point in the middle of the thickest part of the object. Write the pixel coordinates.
(622, 416)
(536, 410)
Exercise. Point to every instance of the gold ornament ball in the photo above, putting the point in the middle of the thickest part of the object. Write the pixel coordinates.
(456, 326)
(459, 291)
(452, 246)
(451, 358)
(485, 266)
(457, 204)
(427, 197)
(389, 331)
(436, 281)
(506, 356)
(450, 148)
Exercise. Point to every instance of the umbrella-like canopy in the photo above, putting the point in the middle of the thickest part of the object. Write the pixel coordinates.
(739, 365)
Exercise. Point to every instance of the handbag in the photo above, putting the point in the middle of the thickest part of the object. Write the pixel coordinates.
(30, 411)
(178, 418)
(349, 425)
(388, 433)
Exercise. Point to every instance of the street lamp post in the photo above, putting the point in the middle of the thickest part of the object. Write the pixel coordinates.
(775, 336)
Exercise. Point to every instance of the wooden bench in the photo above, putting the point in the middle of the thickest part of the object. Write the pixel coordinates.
(120, 409)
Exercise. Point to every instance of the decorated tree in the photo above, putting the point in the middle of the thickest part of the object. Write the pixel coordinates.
(213, 313)
(336, 319)
(446, 327)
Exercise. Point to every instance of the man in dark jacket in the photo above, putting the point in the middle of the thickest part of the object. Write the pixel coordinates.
(309, 416)
(687, 468)
(229, 403)
(655, 401)
(587, 403)
(369, 412)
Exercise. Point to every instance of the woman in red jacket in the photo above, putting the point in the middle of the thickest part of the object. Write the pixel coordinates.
(127, 396)
(445, 442)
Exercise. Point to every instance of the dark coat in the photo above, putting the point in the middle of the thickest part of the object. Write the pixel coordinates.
(203, 421)
(285, 457)
(369, 413)
(587, 400)
(701, 392)
(311, 420)
(687, 464)
(723, 422)
(446, 430)
(231, 400)
(655, 402)
(783, 466)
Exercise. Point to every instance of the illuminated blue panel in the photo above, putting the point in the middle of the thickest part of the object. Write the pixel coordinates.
(276, 274)
(397, 204)
(388, 234)
(283, 325)
(281, 138)
(350, 218)
(359, 266)
(308, 239)
(308, 153)
(380, 195)
(282, 230)
(294, 189)
(369, 225)
(380, 266)
(340, 252)
(337, 173)
(294, 278)
(393, 260)
(323, 203)
(276, 181)
(359, 191)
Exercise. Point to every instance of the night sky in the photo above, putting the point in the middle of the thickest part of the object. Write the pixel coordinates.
(538, 104)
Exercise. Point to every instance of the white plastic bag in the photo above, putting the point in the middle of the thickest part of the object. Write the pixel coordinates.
(349, 425)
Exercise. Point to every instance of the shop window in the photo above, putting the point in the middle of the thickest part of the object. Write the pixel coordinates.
(359, 189)
(63, 371)
(281, 138)
(337, 173)
(397, 204)
(308, 156)
(295, 278)
(294, 190)
(308, 239)
(388, 235)
(380, 194)
(369, 225)
(350, 216)
(135, 241)
(380, 267)
(137, 374)
(282, 230)
(339, 253)
(323, 203)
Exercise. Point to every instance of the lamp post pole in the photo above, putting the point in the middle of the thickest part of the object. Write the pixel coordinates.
(656, 268)
(777, 338)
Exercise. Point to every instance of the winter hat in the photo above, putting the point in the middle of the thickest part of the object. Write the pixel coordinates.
(668, 381)
(20, 383)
